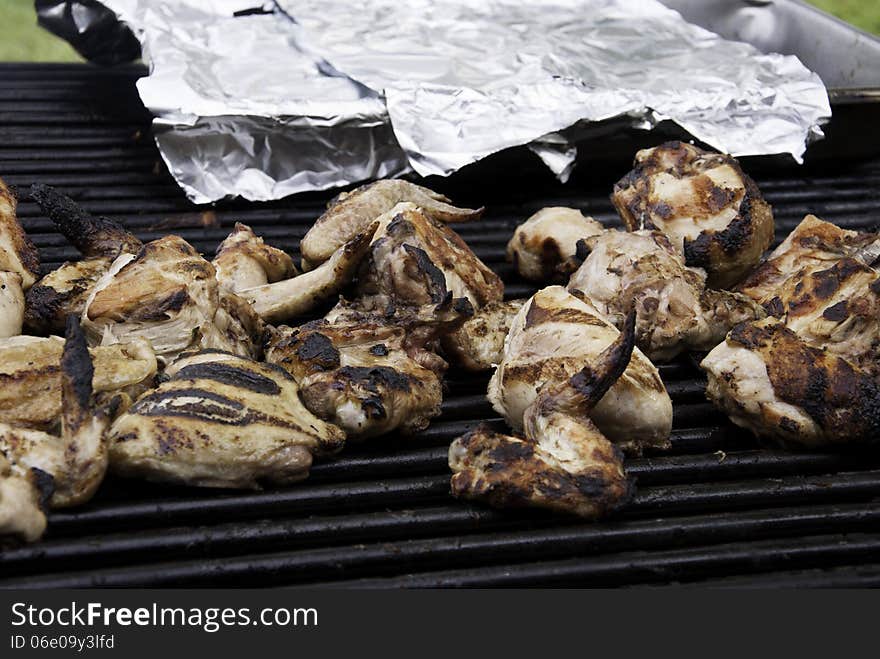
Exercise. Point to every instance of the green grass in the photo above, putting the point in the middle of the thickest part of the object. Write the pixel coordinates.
(22, 40)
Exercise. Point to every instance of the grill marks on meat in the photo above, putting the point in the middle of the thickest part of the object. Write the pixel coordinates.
(544, 247)
(19, 266)
(352, 212)
(221, 421)
(675, 311)
(810, 373)
(563, 462)
(704, 202)
(39, 469)
(553, 337)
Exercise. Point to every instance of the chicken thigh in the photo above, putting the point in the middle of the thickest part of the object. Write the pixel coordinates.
(674, 310)
(221, 421)
(244, 261)
(478, 344)
(704, 202)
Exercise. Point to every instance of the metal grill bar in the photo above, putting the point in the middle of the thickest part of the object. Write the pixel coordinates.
(716, 508)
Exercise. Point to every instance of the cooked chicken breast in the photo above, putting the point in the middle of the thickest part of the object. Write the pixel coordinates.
(553, 337)
(168, 294)
(772, 382)
(416, 260)
(564, 462)
(368, 374)
(543, 247)
(287, 299)
(64, 291)
(675, 311)
(245, 261)
(704, 202)
(221, 421)
(352, 212)
(31, 377)
(479, 344)
(60, 470)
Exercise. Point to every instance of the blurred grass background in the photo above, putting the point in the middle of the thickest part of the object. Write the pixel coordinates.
(22, 40)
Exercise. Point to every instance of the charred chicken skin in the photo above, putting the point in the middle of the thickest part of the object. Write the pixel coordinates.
(563, 462)
(221, 421)
(368, 374)
(810, 373)
(352, 212)
(552, 338)
(675, 311)
(40, 470)
(704, 202)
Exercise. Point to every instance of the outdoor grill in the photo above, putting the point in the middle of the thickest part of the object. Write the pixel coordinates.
(718, 508)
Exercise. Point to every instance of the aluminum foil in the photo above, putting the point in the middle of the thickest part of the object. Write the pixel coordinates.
(322, 93)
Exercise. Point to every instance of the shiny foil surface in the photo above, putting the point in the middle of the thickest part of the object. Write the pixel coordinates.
(262, 101)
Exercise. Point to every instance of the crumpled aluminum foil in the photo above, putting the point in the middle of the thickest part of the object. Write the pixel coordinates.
(322, 93)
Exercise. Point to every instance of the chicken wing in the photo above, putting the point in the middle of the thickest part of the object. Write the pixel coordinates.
(564, 462)
(704, 202)
(543, 247)
(552, 338)
(352, 212)
(416, 260)
(64, 291)
(284, 300)
(675, 311)
(169, 295)
(221, 421)
(39, 469)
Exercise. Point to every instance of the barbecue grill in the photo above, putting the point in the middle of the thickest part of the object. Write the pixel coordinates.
(716, 509)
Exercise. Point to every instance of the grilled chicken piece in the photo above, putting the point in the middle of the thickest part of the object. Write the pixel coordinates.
(366, 373)
(63, 470)
(352, 212)
(168, 294)
(19, 266)
(479, 344)
(244, 261)
(287, 299)
(221, 421)
(769, 380)
(416, 260)
(564, 462)
(704, 202)
(64, 291)
(552, 338)
(543, 247)
(675, 311)
(31, 377)
(820, 282)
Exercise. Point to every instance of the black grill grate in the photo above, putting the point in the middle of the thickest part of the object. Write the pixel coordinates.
(717, 508)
